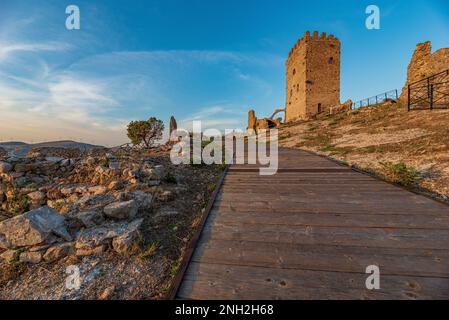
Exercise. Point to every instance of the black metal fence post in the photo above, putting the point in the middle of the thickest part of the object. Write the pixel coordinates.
(431, 96)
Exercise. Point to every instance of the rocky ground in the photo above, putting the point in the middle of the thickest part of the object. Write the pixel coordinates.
(121, 218)
(409, 148)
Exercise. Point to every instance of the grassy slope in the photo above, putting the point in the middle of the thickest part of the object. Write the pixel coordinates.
(411, 148)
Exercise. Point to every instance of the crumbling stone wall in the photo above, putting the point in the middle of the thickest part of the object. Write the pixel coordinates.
(424, 63)
(313, 76)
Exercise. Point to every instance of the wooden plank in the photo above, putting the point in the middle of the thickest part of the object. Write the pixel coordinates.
(315, 205)
(367, 237)
(371, 220)
(391, 261)
(215, 281)
(309, 232)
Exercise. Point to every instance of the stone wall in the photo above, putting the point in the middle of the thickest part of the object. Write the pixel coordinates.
(424, 63)
(313, 76)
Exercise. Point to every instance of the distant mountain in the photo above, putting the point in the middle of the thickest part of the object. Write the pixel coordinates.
(20, 149)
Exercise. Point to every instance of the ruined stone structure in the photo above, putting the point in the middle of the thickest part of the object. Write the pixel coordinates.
(255, 124)
(424, 63)
(313, 76)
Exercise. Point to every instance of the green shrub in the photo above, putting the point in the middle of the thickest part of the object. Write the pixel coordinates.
(18, 203)
(145, 133)
(399, 173)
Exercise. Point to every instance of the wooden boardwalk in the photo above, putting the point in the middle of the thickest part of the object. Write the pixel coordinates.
(310, 231)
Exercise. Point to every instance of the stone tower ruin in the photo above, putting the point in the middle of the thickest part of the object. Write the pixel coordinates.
(313, 76)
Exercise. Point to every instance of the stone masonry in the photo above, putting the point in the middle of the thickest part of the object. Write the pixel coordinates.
(424, 63)
(313, 76)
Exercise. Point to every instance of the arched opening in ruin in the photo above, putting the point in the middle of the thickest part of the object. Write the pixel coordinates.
(331, 60)
(294, 71)
(319, 107)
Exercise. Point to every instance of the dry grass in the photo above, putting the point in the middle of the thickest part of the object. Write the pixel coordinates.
(409, 148)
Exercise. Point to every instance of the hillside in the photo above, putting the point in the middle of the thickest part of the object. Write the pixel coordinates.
(409, 148)
(20, 149)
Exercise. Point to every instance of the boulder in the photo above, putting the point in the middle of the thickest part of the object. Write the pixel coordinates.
(159, 170)
(10, 255)
(125, 244)
(54, 159)
(121, 210)
(97, 190)
(91, 240)
(37, 197)
(90, 218)
(31, 257)
(34, 227)
(3, 153)
(5, 167)
(4, 243)
(115, 185)
(94, 201)
(144, 200)
(59, 251)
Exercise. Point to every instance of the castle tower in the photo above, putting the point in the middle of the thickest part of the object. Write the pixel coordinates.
(313, 76)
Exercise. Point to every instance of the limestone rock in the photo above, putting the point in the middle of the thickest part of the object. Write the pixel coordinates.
(3, 153)
(31, 257)
(82, 252)
(125, 244)
(37, 197)
(58, 251)
(144, 200)
(121, 210)
(34, 227)
(10, 255)
(90, 218)
(4, 243)
(107, 293)
(97, 190)
(115, 185)
(91, 240)
(5, 167)
(159, 170)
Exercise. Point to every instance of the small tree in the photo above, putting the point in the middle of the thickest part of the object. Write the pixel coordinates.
(145, 133)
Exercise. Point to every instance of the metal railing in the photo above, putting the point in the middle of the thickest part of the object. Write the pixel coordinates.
(429, 93)
(389, 95)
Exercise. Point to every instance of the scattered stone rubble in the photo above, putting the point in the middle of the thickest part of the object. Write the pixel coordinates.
(56, 206)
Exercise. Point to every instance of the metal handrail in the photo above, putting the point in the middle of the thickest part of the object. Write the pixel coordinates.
(392, 94)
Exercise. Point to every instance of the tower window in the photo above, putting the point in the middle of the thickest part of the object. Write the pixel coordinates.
(294, 71)
(319, 107)
(331, 60)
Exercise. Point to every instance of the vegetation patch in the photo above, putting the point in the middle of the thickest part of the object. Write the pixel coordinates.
(399, 173)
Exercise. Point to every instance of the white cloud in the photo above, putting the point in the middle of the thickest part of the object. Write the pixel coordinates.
(8, 49)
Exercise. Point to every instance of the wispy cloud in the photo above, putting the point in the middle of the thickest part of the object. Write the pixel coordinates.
(8, 49)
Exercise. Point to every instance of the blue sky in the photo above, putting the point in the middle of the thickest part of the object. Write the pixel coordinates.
(210, 60)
